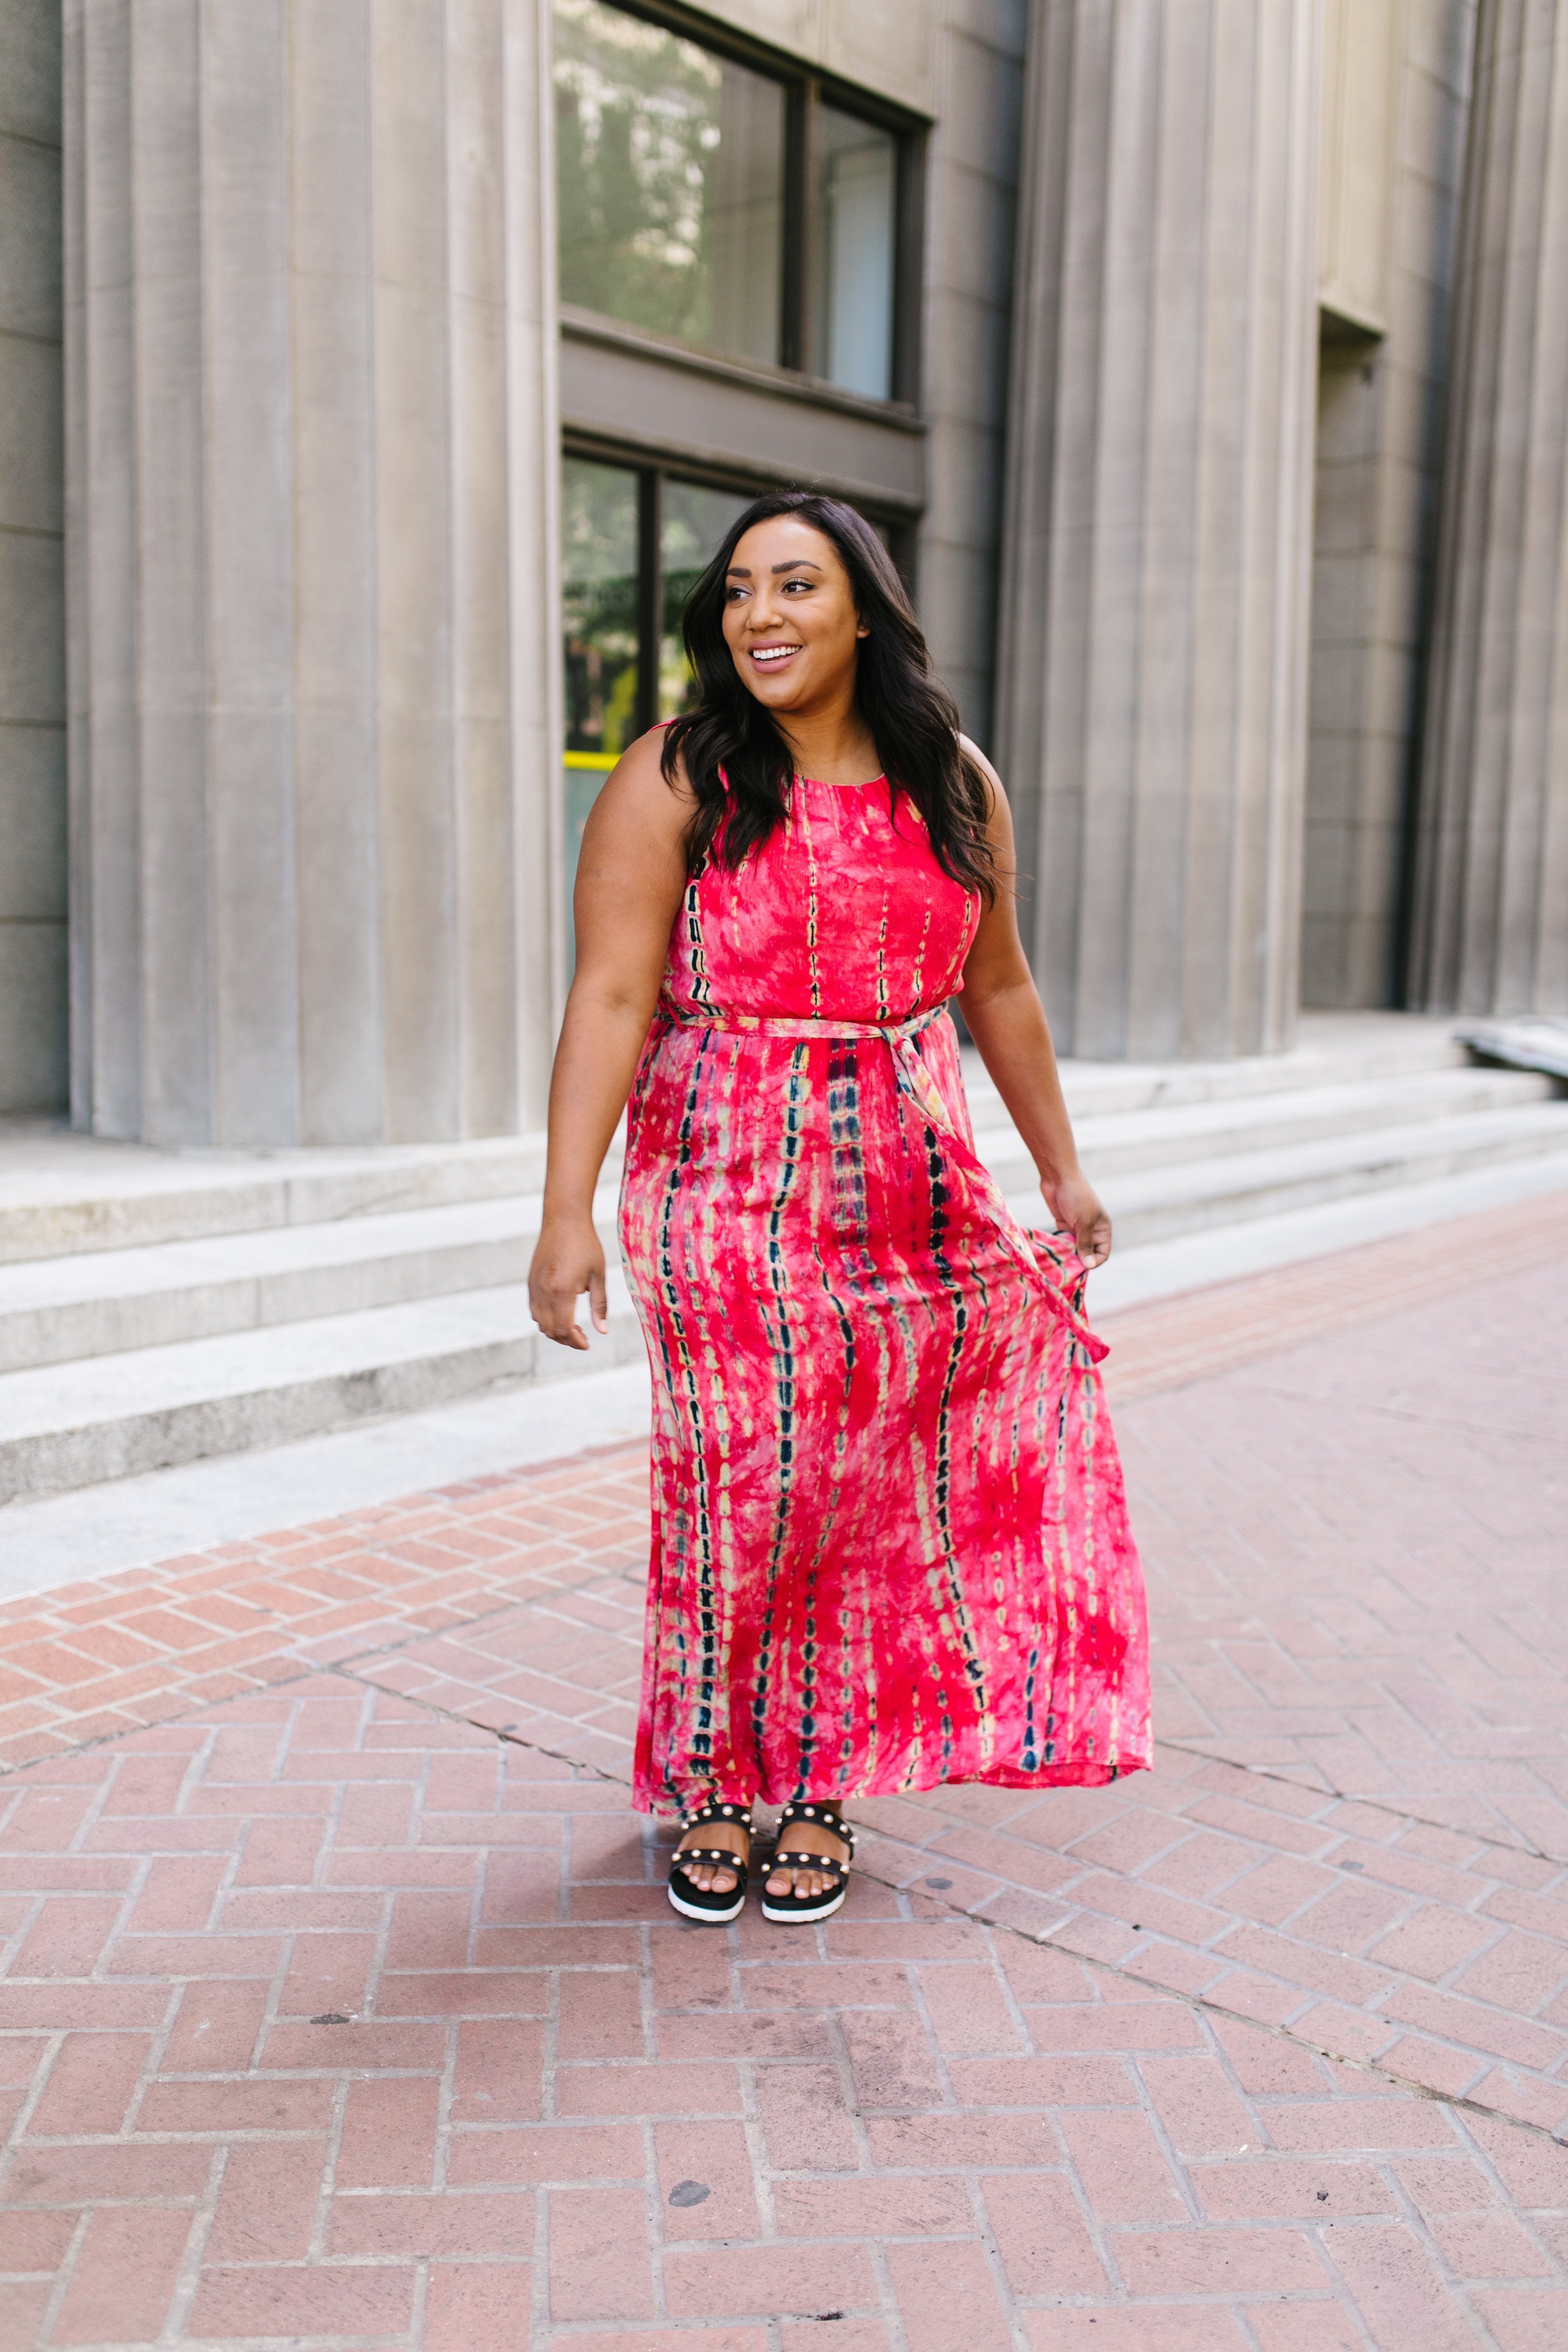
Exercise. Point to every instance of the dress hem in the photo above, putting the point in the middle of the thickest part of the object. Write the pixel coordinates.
(1083, 1772)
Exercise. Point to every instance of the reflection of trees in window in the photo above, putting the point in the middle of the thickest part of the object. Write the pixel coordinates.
(670, 166)
(695, 520)
(599, 596)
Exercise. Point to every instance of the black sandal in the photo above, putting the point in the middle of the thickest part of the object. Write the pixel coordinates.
(792, 1907)
(705, 1902)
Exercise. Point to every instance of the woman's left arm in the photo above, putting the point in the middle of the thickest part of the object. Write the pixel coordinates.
(1007, 1022)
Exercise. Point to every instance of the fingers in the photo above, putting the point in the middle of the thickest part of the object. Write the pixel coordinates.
(564, 1267)
(1094, 1241)
(564, 1329)
(555, 1312)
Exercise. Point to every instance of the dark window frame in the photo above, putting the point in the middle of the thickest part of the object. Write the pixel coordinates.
(805, 88)
(652, 472)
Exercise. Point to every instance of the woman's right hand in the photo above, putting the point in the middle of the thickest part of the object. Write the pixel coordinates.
(568, 1259)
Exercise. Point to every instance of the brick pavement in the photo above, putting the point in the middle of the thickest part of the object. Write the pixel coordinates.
(345, 2010)
(86, 1660)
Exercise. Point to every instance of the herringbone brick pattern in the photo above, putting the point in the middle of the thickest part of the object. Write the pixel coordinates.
(347, 2011)
(89, 1660)
(331, 2021)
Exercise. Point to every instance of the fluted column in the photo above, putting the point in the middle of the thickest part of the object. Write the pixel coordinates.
(1489, 932)
(311, 457)
(1157, 567)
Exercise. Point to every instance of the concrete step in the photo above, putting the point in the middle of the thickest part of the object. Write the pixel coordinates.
(1155, 1204)
(58, 1310)
(1194, 1261)
(63, 1192)
(70, 1426)
(1334, 1049)
(288, 1358)
(1113, 1143)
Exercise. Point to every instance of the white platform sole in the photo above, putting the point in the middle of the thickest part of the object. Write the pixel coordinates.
(706, 1918)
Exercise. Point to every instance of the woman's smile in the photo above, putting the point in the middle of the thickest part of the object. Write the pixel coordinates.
(776, 653)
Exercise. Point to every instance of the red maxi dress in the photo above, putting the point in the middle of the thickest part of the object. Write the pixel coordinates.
(891, 1545)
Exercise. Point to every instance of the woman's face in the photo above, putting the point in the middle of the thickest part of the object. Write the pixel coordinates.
(789, 617)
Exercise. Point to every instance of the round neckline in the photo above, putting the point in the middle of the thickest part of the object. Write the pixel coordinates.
(864, 786)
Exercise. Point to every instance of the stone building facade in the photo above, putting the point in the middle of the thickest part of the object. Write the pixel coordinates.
(374, 373)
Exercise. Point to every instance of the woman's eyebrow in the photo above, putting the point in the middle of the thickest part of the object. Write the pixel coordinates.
(742, 570)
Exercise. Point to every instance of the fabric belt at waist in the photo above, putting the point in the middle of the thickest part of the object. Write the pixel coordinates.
(914, 1079)
(916, 1083)
(784, 1024)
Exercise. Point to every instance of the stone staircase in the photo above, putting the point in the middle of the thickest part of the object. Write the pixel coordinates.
(160, 1308)
(1365, 1103)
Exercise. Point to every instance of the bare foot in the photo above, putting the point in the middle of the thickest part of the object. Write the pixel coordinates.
(712, 1877)
(809, 1837)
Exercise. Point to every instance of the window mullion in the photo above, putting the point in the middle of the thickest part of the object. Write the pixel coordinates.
(909, 254)
(651, 585)
(800, 103)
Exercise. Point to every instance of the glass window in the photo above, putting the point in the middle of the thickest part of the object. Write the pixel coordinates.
(852, 274)
(693, 523)
(599, 506)
(671, 181)
(615, 577)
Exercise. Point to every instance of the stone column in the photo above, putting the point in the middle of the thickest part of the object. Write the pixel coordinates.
(1489, 929)
(32, 590)
(311, 466)
(1157, 568)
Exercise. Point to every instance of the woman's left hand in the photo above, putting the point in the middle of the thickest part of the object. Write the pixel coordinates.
(1078, 1210)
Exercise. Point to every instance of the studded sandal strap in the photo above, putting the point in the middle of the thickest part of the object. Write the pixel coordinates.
(797, 1811)
(824, 1862)
(714, 1811)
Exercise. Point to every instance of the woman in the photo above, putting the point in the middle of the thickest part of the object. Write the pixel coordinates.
(891, 1546)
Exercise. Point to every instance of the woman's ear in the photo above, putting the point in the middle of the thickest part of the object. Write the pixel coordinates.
(862, 628)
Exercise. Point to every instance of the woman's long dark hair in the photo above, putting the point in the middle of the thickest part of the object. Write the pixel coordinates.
(912, 718)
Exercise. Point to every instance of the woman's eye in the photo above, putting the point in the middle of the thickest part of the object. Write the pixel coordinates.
(796, 584)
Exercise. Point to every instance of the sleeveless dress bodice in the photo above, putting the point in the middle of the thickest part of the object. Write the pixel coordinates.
(844, 915)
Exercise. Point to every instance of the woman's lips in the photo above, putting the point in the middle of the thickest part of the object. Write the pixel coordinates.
(773, 657)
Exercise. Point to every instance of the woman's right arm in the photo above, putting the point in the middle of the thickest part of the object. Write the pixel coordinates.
(631, 876)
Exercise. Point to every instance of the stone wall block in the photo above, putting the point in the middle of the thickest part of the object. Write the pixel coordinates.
(971, 219)
(33, 828)
(1156, 570)
(1491, 928)
(32, 1014)
(30, 73)
(32, 458)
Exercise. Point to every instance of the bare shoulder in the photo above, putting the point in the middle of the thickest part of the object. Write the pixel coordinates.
(977, 759)
(637, 798)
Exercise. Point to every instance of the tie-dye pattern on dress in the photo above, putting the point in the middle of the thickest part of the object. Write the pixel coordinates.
(891, 1543)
